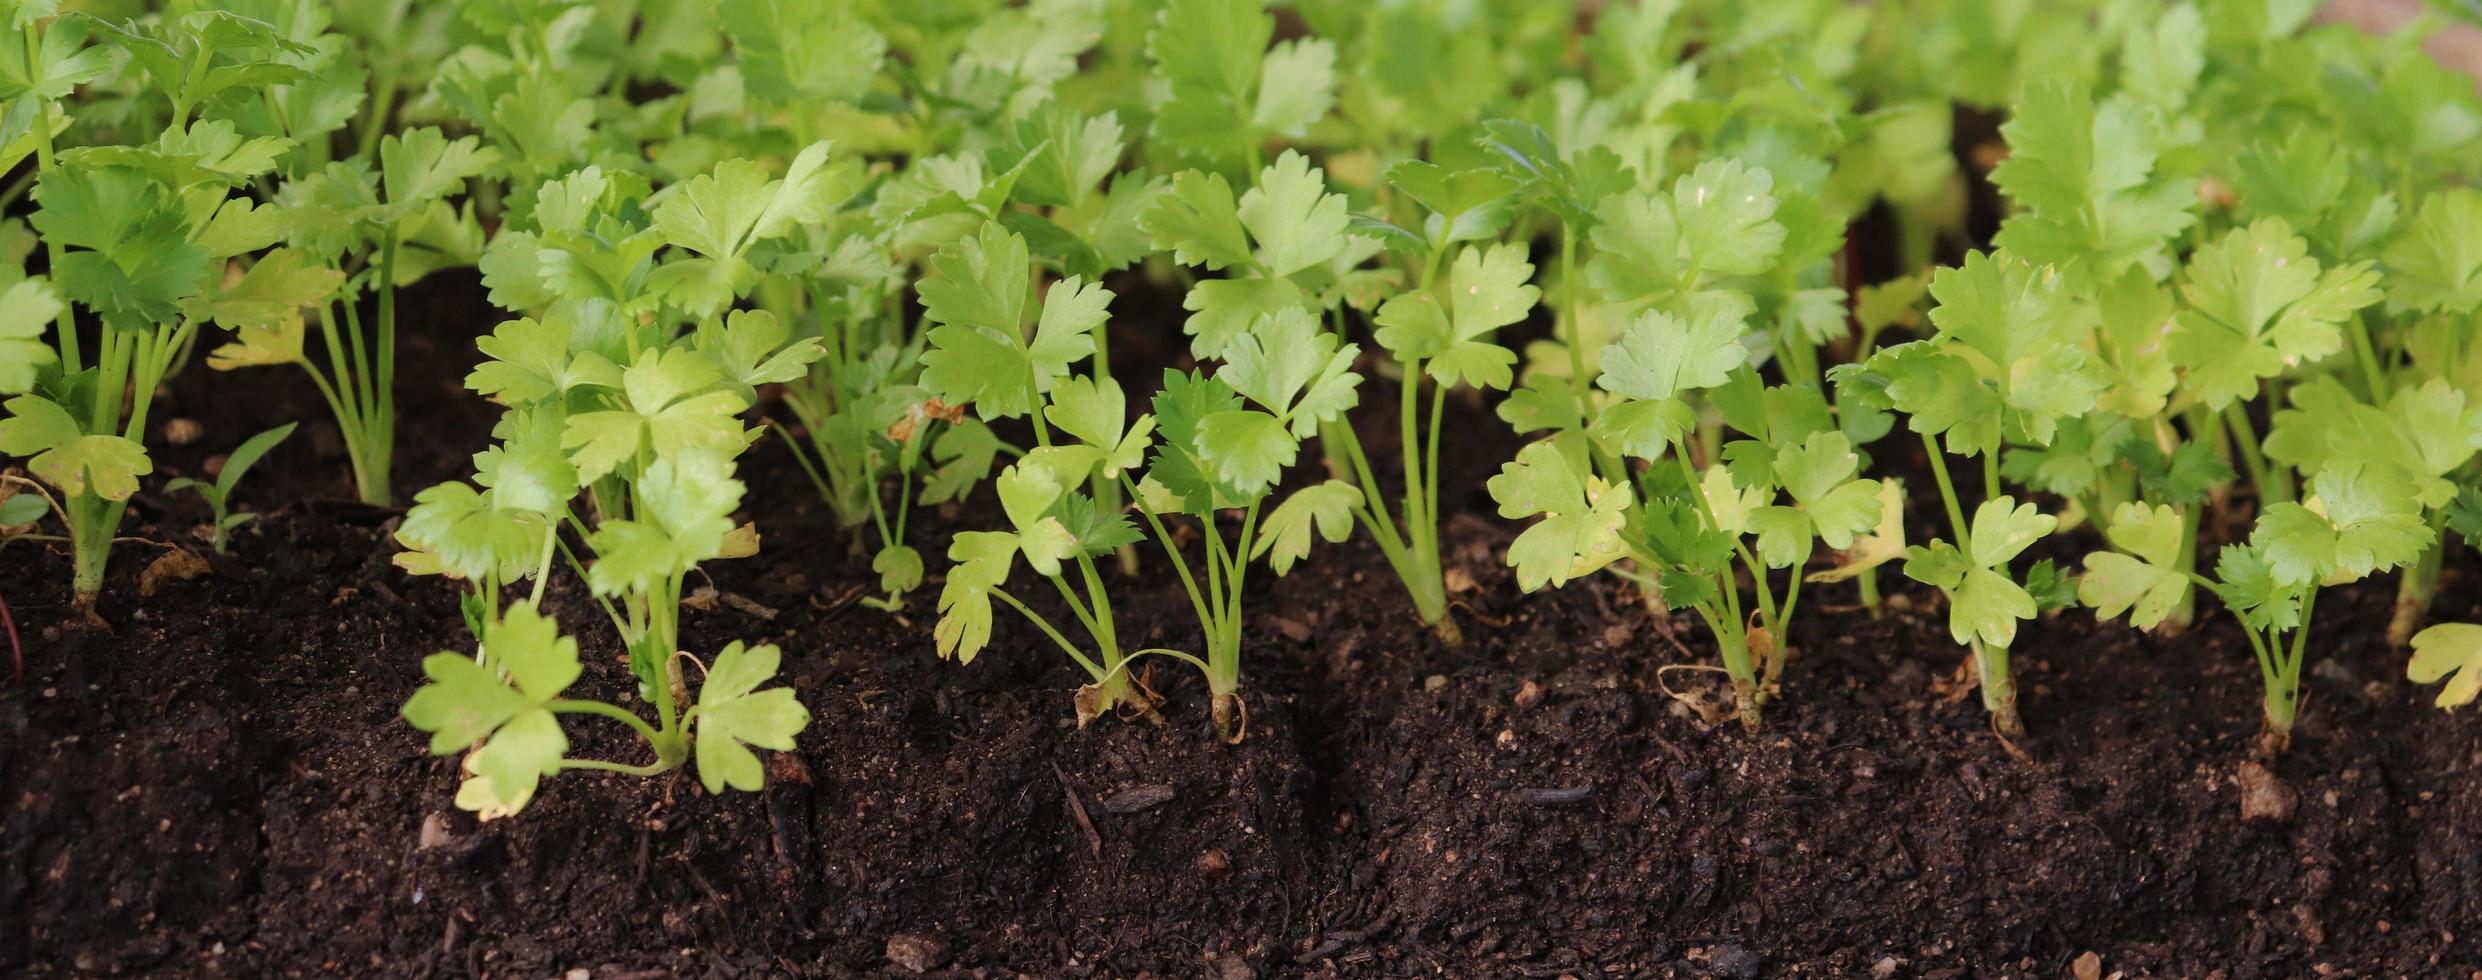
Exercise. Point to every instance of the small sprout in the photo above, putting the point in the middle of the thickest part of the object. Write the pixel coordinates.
(218, 494)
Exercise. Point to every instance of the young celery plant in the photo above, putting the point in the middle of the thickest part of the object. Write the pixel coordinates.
(979, 295)
(1687, 527)
(2430, 432)
(350, 233)
(1226, 441)
(2003, 367)
(219, 493)
(1443, 329)
(2360, 519)
(1284, 249)
(1226, 91)
(645, 421)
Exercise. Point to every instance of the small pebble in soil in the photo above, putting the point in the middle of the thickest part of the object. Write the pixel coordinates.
(1434, 682)
(2089, 966)
(434, 830)
(183, 431)
(2265, 798)
(1138, 798)
(1736, 962)
(1529, 694)
(916, 952)
(1215, 864)
(1885, 968)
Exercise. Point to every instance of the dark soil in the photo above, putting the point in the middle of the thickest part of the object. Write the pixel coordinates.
(221, 787)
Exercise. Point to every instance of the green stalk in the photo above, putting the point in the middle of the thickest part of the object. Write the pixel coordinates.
(2283, 697)
(2419, 584)
(1106, 490)
(2273, 486)
(1566, 328)
(64, 324)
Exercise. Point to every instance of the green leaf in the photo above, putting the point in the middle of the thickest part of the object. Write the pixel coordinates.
(1845, 512)
(1884, 542)
(722, 213)
(2259, 304)
(1941, 394)
(237, 463)
(980, 355)
(982, 561)
(527, 361)
(469, 536)
(1199, 222)
(794, 52)
(1296, 223)
(1784, 535)
(67, 457)
(2015, 318)
(1326, 508)
(684, 515)
(2147, 581)
(2428, 432)
(2248, 586)
(752, 349)
(2003, 528)
(1247, 450)
(2436, 264)
(899, 568)
(2448, 648)
(1661, 355)
(1486, 290)
(271, 295)
(1582, 515)
(1988, 604)
(1095, 411)
(673, 404)
(27, 309)
(1225, 308)
(2083, 178)
(1297, 81)
(131, 260)
(1640, 429)
(1725, 210)
(1294, 370)
(468, 701)
(1030, 491)
(1999, 305)
(732, 712)
(2362, 518)
(463, 703)
(1181, 406)
(963, 455)
(1718, 221)
(1215, 45)
(422, 164)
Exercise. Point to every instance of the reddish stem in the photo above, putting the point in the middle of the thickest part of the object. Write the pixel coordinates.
(17, 654)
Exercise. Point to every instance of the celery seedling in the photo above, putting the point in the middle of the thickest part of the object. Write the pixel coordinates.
(345, 217)
(2359, 519)
(2004, 367)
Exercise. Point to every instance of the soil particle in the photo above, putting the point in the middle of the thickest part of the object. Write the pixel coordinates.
(915, 952)
(2264, 797)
